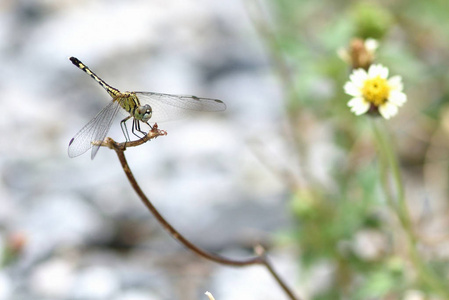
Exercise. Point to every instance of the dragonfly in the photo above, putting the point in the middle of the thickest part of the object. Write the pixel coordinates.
(142, 107)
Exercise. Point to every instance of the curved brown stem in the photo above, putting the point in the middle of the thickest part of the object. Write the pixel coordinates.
(260, 259)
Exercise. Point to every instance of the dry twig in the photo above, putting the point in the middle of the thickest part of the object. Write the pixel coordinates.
(260, 258)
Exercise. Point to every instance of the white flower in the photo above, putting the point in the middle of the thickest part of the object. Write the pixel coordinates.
(367, 47)
(373, 91)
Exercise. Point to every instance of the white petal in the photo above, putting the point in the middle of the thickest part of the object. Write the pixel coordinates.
(358, 77)
(362, 109)
(395, 83)
(377, 70)
(397, 98)
(373, 71)
(351, 89)
(356, 101)
(358, 106)
(388, 110)
(383, 72)
(344, 55)
(371, 45)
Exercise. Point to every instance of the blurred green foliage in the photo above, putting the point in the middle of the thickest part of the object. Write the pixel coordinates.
(414, 43)
(370, 20)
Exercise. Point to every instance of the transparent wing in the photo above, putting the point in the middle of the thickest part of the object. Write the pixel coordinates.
(95, 130)
(168, 107)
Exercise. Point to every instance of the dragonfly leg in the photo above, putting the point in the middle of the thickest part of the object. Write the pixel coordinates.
(136, 127)
(151, 127)
(124, 128)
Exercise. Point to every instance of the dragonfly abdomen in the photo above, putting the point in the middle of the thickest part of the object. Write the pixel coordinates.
(111, 91)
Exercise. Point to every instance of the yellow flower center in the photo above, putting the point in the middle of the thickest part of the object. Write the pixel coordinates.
(376, 90)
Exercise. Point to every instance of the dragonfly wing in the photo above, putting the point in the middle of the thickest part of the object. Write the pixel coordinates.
(95, 130)
(168, 107)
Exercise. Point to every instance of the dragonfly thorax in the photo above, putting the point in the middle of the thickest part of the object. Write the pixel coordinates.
(130, 102)
(143, 113)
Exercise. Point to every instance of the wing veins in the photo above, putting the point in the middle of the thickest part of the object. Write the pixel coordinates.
(95, 130)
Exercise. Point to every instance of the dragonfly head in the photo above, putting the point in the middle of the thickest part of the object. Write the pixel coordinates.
(143, 113)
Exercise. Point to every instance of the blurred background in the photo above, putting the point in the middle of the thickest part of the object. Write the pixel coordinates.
(287, 165)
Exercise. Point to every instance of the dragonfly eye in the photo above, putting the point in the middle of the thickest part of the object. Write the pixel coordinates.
(144, 112)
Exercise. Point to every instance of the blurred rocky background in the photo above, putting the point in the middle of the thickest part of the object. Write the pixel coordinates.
(287, 165)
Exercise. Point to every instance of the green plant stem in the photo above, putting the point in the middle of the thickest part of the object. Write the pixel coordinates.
(389, 161)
